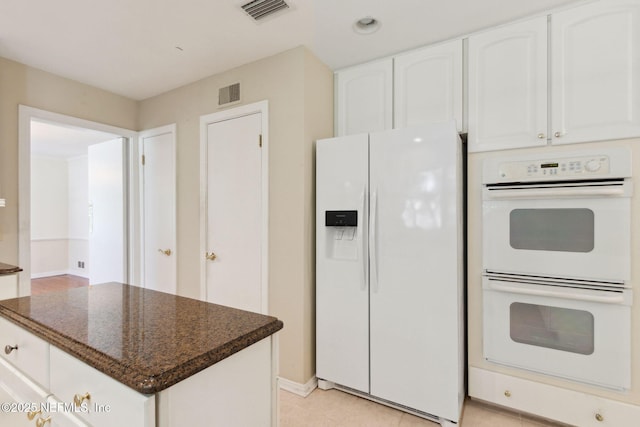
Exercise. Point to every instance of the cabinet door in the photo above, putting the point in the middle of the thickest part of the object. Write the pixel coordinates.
(508, 86)
(596, 72)
(105, 401)
(428, 86)
(364, 98)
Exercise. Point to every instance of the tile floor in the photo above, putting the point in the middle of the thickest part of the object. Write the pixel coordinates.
(333, 408)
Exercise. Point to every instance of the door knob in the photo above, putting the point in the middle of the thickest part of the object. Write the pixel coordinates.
(40, 422)
(32, 414)
(210, 256)
(167, 252)
(79, 398)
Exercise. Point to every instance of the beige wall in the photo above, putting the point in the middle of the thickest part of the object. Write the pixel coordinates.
(20, 84)
(474, 283)
(299, 89)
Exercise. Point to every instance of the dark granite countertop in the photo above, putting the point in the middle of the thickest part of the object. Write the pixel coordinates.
(145, 339)
(8, 269)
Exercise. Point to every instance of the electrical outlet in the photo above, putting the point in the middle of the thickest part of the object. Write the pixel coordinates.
(80, 264)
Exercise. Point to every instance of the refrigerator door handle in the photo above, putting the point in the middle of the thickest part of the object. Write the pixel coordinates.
(363, 247)
(372, 241)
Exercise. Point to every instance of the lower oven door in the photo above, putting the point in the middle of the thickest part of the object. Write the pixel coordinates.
(579, 334)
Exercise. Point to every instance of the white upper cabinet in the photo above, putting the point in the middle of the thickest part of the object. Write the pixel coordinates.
(428, 85)
(508, 86)
(596, 72)
(364, 98)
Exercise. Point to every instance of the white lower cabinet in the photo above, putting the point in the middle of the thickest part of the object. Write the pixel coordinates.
(62, 391)
(549, 401)
(25, 351)
(8, 286)
(23, 400)
(101, 400)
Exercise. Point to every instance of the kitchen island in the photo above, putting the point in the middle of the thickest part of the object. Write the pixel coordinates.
(115, 354)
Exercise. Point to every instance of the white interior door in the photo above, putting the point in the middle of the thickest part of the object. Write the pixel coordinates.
(159, 209)
(234, 210)
(107, 212)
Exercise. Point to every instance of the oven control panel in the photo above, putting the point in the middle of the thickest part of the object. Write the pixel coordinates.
(565, 168)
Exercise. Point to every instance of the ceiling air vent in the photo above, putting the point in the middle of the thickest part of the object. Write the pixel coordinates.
(229, 94)
(259, 9)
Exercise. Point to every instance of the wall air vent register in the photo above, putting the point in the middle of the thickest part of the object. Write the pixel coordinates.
(229, 94)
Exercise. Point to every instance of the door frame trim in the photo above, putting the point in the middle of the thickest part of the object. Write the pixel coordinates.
(25, 115)
(205, 120)
(150, 133)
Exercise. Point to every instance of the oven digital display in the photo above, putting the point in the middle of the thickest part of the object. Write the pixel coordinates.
(548, 165)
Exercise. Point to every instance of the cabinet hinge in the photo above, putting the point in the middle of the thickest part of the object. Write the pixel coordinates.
(260, 140)
(143, 160)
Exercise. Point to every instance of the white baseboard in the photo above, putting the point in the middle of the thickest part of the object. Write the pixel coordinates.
(79, 273)
(49, 274)
(303, 390)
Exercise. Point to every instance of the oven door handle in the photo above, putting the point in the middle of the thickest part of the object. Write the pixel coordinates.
(617, 298)
(536, 193)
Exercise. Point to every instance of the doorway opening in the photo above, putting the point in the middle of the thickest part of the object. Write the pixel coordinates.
(73, 201)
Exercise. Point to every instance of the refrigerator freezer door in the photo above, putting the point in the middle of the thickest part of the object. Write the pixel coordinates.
(342, 290)
(415, 175)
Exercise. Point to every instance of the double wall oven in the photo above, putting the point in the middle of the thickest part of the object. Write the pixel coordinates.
(557, 264)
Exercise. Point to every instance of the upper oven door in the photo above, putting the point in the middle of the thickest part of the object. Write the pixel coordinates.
(574, 230)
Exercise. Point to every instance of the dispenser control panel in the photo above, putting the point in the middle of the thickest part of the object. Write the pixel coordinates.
(341, 218)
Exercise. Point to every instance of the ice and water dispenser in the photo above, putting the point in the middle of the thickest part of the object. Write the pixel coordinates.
(341, 228)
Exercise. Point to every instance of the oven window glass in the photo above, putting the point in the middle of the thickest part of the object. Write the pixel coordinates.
(566, 230)
(552, 327)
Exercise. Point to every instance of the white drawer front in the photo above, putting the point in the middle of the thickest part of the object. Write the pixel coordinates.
(110, 404)
(30, 353)
(555, 403)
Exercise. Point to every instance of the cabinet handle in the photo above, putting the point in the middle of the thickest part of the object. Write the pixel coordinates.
(507, 393)
(167, 252)
(8, 348)
(541, 136)
(32, 414)
(599, 417)
(79, 398)
(210, 256)
(40, 422)
(558, 134)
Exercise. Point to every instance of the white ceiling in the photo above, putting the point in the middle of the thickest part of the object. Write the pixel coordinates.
(63, 142)
(141, 48)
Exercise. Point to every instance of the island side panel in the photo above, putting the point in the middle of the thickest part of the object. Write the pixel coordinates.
(235, 392)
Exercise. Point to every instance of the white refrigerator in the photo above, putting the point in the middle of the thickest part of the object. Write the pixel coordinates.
(389, 268)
